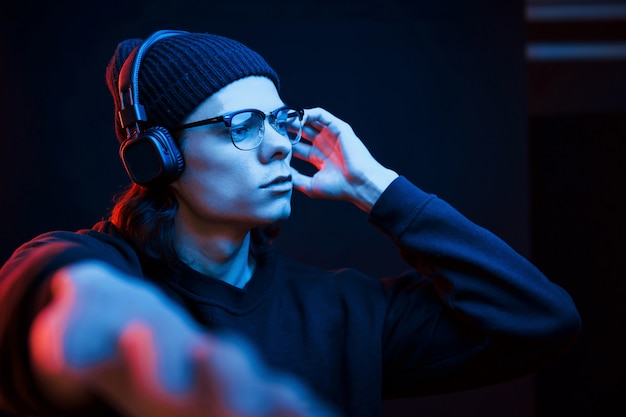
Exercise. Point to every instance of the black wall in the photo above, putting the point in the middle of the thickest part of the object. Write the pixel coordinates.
(437, 90)
(577, 133)
(579, 179)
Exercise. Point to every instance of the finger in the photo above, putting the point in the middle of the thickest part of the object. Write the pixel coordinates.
(309, 132)
(131, 383)
(208, 384)
(314, 154)
(242, 375)
(302, 151)
(47, 332)
(139, 354)
(315, 121)
(319, 118)
(301, 182)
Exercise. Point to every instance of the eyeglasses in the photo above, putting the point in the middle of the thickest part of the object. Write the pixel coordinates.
(247, 127)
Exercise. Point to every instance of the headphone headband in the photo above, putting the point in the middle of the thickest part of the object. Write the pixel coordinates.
(150, 157)
(131, 111)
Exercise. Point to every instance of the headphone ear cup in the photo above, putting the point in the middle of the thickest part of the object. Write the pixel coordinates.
(152, 157)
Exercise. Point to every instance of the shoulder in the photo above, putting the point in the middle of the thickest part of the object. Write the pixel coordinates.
(103, 232)
(52, 250)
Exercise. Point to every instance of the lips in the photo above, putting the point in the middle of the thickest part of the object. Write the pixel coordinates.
(278, 181)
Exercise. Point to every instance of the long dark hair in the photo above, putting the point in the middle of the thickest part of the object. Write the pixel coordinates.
(145, 217)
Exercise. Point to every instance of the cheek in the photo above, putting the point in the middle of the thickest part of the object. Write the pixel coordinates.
(204, 164)
(215, 178)
(208, 177)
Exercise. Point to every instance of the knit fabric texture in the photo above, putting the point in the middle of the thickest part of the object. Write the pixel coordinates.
(179, 72)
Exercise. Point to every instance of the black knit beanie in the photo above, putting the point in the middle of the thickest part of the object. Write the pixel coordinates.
(179, 72)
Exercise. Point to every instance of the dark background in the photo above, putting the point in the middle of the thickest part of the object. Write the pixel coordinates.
(531, 147)
(577, 142)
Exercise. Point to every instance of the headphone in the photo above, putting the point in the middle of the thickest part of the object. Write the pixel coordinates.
(150, 156)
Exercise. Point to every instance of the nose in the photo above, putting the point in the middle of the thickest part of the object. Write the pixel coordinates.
(274, 145)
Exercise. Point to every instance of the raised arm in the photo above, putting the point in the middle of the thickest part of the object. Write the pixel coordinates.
(472, 311)
(103, 339)
(107, 335)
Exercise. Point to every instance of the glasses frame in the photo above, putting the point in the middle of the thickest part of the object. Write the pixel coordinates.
(227, 118)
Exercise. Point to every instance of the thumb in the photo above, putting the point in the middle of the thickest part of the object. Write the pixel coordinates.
(301, 182)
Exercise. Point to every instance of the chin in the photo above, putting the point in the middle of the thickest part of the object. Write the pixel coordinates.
(281, 217)
(270, 215)
(281, 210)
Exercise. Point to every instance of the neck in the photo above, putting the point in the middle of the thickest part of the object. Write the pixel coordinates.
(221, 256)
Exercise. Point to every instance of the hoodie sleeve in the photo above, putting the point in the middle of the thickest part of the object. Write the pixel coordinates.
(23, 293)
(473, 311)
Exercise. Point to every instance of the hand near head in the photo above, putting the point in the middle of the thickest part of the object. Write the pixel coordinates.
(346, 169)
(108, 335)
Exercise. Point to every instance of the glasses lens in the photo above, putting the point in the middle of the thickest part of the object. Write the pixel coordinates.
(288, 123)
(247, 129)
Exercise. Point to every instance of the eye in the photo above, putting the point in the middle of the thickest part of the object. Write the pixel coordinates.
(281, 125)
(240, 132)
(284, 119)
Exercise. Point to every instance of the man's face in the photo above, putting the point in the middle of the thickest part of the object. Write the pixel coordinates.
(222, 186)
